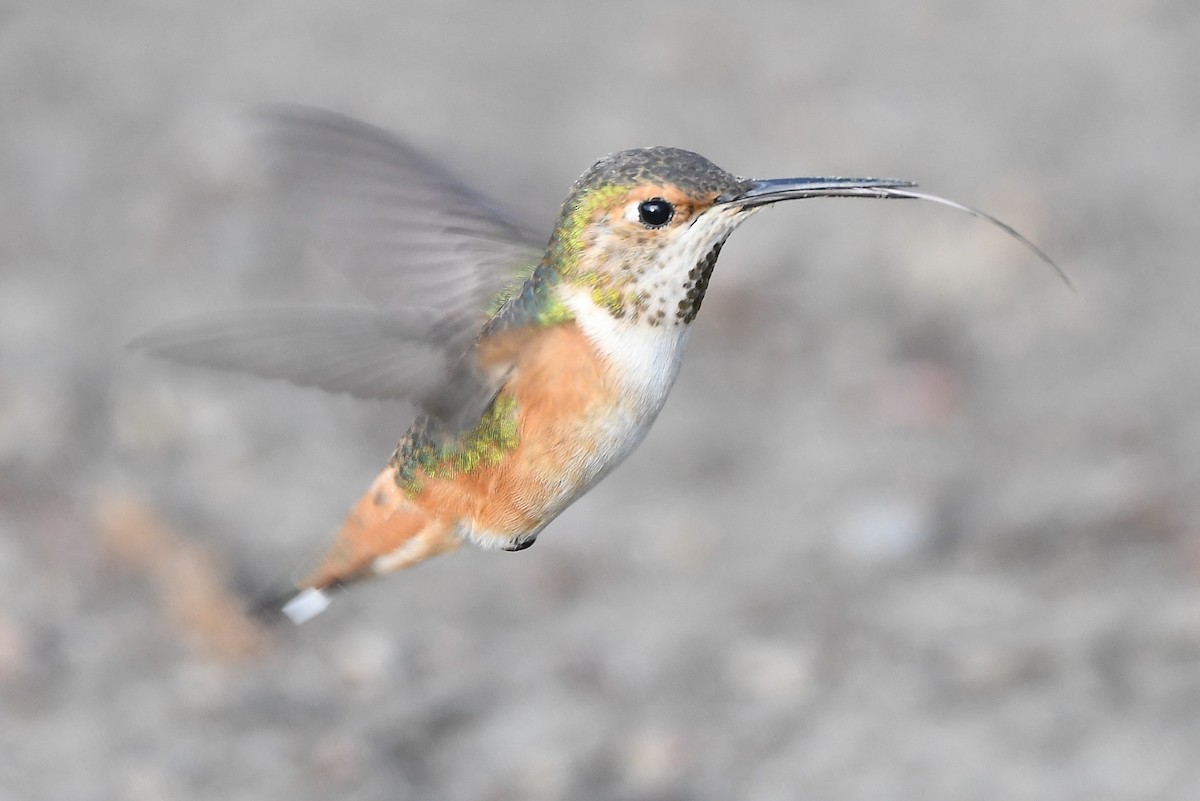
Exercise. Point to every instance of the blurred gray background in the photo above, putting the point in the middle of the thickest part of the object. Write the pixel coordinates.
(918, 522)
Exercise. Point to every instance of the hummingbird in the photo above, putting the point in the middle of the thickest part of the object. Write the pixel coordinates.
(536, 366)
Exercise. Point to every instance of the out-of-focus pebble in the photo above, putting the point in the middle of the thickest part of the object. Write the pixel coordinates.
(918, 395)
(15, 654)
(885, 530)
(335, 757)
(653, 759)
(770, 672)
(364, 656)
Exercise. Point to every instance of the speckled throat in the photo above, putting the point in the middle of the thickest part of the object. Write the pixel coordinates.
(661, 286)
(697, 285)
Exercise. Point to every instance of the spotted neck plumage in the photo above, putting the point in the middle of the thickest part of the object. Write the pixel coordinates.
(654, 281)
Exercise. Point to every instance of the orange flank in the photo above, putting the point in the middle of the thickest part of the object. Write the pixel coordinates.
(564, 397)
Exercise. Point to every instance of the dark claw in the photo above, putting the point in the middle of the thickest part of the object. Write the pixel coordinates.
(520, 546)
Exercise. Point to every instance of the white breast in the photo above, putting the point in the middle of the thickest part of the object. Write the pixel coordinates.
(642, 360)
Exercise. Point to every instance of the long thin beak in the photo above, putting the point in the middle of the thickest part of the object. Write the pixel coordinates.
(772, 190)
(761, 193)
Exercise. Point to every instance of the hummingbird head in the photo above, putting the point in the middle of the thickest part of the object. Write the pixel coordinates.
(642, 229)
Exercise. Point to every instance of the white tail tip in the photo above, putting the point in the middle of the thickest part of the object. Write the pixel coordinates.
(306, 605)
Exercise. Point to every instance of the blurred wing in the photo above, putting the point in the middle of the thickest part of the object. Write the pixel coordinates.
(401, 227)
(423, 245)
(367, 353)
(362, 352)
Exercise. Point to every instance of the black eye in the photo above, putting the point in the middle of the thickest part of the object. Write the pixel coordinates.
(655, 212)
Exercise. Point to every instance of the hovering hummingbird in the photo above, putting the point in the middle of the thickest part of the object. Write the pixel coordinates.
(536, 367)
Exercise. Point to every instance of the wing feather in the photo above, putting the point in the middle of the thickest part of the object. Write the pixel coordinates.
(400, 226)
(426, 248)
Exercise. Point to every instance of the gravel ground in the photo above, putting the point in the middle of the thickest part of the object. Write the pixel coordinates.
(917, 523)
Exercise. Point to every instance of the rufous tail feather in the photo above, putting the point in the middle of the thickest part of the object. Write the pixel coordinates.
(384, 532)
